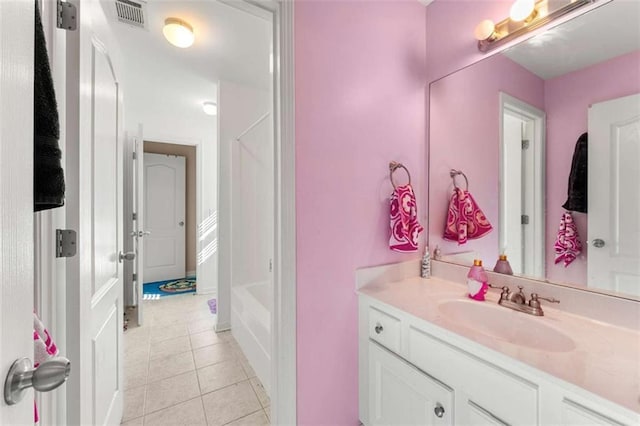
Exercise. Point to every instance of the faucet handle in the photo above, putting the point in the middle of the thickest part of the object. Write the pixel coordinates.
(505, 293)
(535, 303)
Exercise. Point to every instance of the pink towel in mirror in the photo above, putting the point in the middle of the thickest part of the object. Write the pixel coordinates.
(465, 220)
(568, 245)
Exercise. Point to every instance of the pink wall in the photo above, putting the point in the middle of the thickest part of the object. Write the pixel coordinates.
(360, 102)
(465, 135)
(567, 100)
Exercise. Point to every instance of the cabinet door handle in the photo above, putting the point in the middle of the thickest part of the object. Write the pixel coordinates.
(438, 410)
(378, 328)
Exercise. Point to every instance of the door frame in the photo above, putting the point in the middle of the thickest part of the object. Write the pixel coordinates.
(283, 357)
(283, 315)
(538, 117)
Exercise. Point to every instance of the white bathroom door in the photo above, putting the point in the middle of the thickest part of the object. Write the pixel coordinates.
(614, 195)
(140, 233)
(16, 199)
(94, 171)
(164, 217)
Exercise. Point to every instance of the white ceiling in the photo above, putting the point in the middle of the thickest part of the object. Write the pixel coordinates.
(603, 33)
(229, 45)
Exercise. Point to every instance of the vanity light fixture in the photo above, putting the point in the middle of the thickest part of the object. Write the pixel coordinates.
(524, 16)
(178, 32)
(210, 108)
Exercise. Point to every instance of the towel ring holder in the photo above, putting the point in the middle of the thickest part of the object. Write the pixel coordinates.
(453, 173)
(393, 166)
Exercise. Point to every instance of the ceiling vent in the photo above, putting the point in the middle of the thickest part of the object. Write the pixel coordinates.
(132, 12)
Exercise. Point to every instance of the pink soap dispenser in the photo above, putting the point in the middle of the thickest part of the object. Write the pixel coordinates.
(503, 266)
(477, 281)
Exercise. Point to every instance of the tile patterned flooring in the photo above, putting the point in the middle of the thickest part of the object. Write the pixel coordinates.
(179, 372)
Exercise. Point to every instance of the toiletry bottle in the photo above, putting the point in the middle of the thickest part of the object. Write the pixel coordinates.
(477, 281)
(425, 271)
(503, 266)
(437, 254)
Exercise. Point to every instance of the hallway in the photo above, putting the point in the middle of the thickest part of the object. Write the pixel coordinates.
(178, 371)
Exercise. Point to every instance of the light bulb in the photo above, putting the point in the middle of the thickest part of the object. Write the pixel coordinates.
(210, 108)
(521, 10)
(484, 30)
(178, 32)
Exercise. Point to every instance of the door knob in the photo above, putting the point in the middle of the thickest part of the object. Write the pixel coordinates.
(598, 243)
(438, 410)
(181, 223)
(48, 376)
(140, 234)
(130, 255)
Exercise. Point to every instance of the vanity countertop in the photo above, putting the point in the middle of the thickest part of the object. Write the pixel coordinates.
(605, 361)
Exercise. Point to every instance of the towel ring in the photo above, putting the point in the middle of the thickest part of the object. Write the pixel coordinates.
(393, 166)
(453, 173)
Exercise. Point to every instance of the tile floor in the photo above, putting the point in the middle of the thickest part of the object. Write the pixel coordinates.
(179, 372)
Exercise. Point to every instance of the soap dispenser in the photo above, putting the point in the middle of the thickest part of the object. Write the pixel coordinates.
(477, 281)
(425, 270)
(503, 266)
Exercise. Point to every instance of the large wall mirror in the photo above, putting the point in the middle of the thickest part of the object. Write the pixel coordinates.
(547, 134)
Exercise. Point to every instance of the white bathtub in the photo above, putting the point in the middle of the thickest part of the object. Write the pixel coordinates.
(251, 326)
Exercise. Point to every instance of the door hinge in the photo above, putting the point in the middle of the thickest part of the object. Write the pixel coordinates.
(66, 243)
(270, 265)
(67, 16)
(134, 216)
(135, 155)
(524, 219)
(525, 143)
(135, 277)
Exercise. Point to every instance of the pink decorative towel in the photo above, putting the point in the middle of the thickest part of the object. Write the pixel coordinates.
(568, 245)
(465, 220)
(43, 348)
(404, 220)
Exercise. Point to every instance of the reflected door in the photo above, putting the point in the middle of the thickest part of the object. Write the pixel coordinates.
(614, 195)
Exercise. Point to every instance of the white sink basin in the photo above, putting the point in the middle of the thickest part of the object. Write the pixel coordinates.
(505, 324)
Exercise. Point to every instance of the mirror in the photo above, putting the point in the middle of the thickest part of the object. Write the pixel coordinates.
(512, 124)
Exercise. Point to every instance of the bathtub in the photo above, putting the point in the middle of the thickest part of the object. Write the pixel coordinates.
(251, 326)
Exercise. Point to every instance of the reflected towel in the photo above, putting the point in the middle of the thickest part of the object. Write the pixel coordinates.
(405, 227)
(465, 220)
(568, 245)
(43, 349)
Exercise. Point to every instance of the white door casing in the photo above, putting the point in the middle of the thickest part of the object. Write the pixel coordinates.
(138, 223)
(94, 208)
(16, 189)
(522, 183)
(164, 217)
(614, 195)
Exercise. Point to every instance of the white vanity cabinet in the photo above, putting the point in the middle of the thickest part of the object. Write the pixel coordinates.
(400, 394)
(412, 372)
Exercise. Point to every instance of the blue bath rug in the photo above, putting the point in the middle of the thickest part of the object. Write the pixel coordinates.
(158, 289)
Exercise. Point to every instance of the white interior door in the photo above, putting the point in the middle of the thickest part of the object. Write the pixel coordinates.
(138, 224)
(614, 195)
(94, 208)
(16, 200)
(164, 217)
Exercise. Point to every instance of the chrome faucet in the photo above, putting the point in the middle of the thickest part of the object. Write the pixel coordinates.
(518, 301)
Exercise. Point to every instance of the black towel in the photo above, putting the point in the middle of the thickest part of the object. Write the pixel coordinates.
(577, 191)
(48, 176)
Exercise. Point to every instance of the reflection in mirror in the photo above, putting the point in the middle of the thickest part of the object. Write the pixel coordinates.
(515, 124)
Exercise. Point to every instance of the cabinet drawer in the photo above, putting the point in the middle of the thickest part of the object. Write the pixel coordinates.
(384, 329)
(496, 392)
(575, 414)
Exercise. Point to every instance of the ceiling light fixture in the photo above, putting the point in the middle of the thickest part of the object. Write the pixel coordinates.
(524, 16)
(178, 32)
(210, 108)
